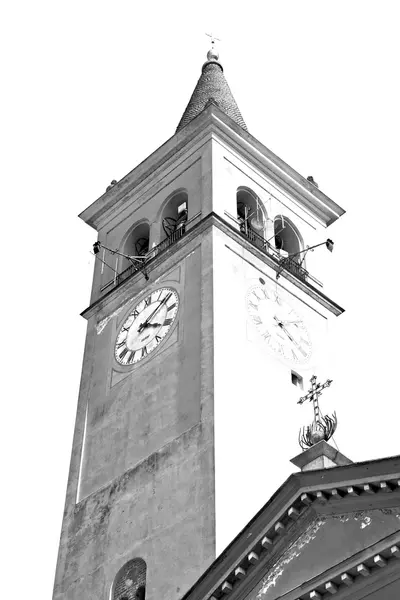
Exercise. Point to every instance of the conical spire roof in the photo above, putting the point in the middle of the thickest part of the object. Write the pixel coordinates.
(212, 85)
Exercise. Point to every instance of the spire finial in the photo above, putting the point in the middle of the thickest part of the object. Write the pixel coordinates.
(213, 53)
(322, 427)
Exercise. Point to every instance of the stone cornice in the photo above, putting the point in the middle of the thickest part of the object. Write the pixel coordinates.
(213, 120)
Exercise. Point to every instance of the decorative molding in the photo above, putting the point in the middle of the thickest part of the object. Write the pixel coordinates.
(362, 570)
(264, 545)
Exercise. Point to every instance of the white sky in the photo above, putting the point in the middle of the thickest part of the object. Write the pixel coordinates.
(92, 88)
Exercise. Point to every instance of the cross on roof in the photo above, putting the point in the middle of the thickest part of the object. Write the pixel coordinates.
(322, 427)
(314, 393)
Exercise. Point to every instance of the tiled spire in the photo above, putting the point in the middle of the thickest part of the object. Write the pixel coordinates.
(212, 85)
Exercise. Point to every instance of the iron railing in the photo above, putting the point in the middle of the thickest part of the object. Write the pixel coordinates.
(256, 239)
(140, 266)
(288, 263)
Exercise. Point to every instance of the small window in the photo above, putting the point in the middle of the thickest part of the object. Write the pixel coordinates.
(130, 582)
(297, 380)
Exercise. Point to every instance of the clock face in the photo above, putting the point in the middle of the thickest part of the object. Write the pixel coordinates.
(278, 324)
(146, 326)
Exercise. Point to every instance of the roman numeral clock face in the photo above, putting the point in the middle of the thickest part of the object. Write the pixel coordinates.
(146, 326)
(278, 324)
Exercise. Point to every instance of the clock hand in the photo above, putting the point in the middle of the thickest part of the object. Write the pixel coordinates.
(145, 323)
(291, 338)
(281, 325)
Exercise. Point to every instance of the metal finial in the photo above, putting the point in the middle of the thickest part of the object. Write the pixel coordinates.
(322, 427)
(213, 53)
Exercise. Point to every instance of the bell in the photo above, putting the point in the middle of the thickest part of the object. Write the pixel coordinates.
(256, 224)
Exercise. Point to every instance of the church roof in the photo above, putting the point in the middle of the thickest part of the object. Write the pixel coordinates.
(328, 509)
(212, 85)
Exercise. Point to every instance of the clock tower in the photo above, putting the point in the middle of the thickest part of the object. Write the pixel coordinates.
(204, 309)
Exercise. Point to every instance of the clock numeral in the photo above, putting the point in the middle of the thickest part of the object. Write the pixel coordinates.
(132, 356)
(120, 344)
(303, 341)
(123, 353)
(253, 306)
(257, 320)
(144, 351)
(159, 296)
(147, 301)
(171, 307)
(266, 335)
(300, 349)
(167, 322)
(126, 328)
(135, 313)
(257, 297)
(294, 355)
(158, 338)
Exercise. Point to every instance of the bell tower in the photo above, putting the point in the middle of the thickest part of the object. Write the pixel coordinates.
(203, 309)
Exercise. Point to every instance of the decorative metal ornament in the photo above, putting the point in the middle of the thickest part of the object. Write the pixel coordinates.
(323, 426)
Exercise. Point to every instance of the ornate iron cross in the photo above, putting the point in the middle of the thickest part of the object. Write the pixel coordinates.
(322, 428)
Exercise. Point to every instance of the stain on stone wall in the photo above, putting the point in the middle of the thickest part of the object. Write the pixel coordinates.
(293, 552)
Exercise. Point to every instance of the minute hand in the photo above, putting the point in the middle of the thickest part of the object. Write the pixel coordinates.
(155, 311)
(291, 338)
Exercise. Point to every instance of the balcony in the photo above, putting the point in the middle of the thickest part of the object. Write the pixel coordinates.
(287, 263)
(136, 267)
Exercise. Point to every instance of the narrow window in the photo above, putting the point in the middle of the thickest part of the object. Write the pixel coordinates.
(297, 380)
(130, 582)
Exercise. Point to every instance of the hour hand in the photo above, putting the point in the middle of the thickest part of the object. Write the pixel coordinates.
(146, 324)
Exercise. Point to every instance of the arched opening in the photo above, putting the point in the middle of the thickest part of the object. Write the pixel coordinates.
(174, 216)
(287, 238)
(136, 244)
(250, 213)
(130, 582)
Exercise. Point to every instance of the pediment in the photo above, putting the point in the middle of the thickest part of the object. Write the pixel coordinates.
(323, 532)
(324, 543)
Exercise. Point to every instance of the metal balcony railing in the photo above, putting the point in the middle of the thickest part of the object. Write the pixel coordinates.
(137, 266)
(288, 263)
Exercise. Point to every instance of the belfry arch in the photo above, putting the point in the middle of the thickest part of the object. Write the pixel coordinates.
(136, 243)
(251, 212)
(287, 237)
(174, 215)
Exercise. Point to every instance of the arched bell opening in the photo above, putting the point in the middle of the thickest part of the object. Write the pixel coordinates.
(130, 581)
(250, 212)
(136, 243)
(287, 238)
(174, 216)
